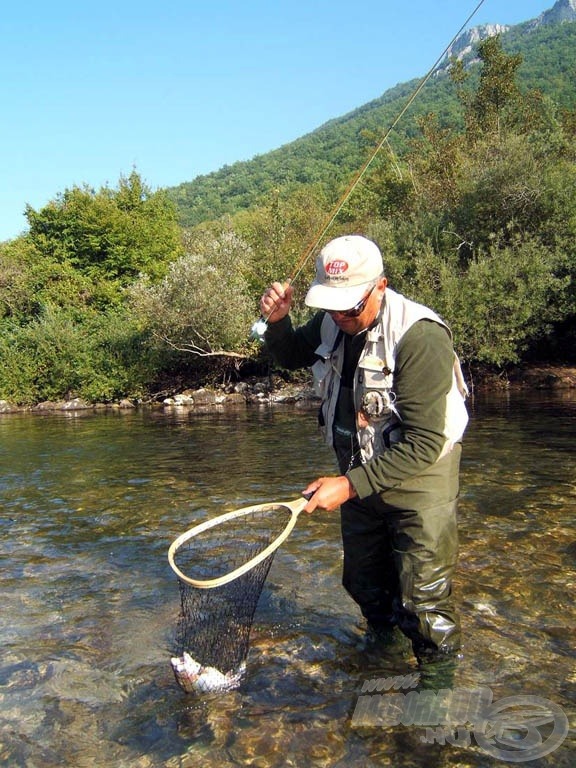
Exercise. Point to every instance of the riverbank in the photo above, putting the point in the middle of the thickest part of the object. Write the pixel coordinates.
(275, 389)
(540, 376)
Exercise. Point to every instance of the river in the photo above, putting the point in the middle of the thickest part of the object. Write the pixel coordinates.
(90, 503)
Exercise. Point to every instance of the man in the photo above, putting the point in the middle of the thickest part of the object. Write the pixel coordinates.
(392, 407)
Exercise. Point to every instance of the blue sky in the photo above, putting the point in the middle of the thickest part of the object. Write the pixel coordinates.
(90, 90)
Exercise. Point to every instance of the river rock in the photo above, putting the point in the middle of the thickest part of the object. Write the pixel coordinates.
(75, 404)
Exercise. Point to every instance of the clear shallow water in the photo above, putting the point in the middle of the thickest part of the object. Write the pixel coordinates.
(90, 504)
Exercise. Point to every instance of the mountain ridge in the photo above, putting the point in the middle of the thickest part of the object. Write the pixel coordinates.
(561, 12)
(329, 154)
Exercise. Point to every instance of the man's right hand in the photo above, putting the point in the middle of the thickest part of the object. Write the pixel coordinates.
(275, 302)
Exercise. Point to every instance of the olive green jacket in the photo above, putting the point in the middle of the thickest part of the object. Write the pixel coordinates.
(423, 376)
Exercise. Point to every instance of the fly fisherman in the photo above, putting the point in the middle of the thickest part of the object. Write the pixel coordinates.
(393, 410)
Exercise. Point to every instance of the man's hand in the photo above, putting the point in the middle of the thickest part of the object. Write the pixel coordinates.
(329, 493)
(275, 302)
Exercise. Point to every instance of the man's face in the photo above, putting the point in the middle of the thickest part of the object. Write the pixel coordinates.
(361, 316)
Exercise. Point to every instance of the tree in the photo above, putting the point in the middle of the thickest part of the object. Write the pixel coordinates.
(497, 96)
(279, 232)
(202, 305)
(29, 280)
(109, 234)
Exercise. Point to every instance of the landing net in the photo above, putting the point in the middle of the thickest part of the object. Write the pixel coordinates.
(214, 623)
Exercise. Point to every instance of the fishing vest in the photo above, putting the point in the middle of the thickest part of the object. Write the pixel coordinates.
(378, 422)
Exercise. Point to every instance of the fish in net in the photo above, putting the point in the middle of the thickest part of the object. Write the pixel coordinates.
(222, 565)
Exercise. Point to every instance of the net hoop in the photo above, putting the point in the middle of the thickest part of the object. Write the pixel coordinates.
(295, 508)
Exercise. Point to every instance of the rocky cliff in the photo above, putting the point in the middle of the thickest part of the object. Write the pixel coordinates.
(561, 12)
(465, 43)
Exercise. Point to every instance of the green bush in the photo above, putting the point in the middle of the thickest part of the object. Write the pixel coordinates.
(202, 307)
(55, 357)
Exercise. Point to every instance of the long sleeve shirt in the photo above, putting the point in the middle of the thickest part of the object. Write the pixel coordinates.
(423, 376)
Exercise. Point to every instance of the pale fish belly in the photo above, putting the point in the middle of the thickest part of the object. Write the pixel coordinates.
(192, 676)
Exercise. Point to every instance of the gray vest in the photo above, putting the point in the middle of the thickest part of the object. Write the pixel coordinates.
(378, 422)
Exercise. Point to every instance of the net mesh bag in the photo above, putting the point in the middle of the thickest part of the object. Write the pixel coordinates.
(214, 624)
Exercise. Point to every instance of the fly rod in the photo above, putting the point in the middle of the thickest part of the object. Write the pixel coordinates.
(259, 327)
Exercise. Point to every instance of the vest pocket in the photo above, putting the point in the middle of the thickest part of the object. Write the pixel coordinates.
(321, 370)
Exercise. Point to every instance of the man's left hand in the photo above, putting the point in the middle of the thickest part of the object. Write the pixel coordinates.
(329, 493)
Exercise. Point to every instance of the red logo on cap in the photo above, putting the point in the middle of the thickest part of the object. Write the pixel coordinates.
(338, 267)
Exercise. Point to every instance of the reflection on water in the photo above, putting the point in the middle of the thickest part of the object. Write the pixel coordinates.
(90, 504)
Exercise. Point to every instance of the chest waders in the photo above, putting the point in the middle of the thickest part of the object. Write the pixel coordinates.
(399, 560)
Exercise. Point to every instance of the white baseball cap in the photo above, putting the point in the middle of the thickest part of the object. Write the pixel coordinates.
(346, 268)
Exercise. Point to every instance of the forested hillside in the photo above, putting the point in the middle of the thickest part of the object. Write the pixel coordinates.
(332, 153)
(473, 205)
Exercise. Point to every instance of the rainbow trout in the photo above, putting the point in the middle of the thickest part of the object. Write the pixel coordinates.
(192, 676)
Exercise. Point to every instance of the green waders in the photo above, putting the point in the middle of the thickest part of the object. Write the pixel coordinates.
(400, 551)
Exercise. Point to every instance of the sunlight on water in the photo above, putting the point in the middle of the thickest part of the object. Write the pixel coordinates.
(90, 504)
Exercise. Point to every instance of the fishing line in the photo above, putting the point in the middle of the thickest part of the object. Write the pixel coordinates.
(260, 326)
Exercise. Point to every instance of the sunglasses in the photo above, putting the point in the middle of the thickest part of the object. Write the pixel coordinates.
(356, 310)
